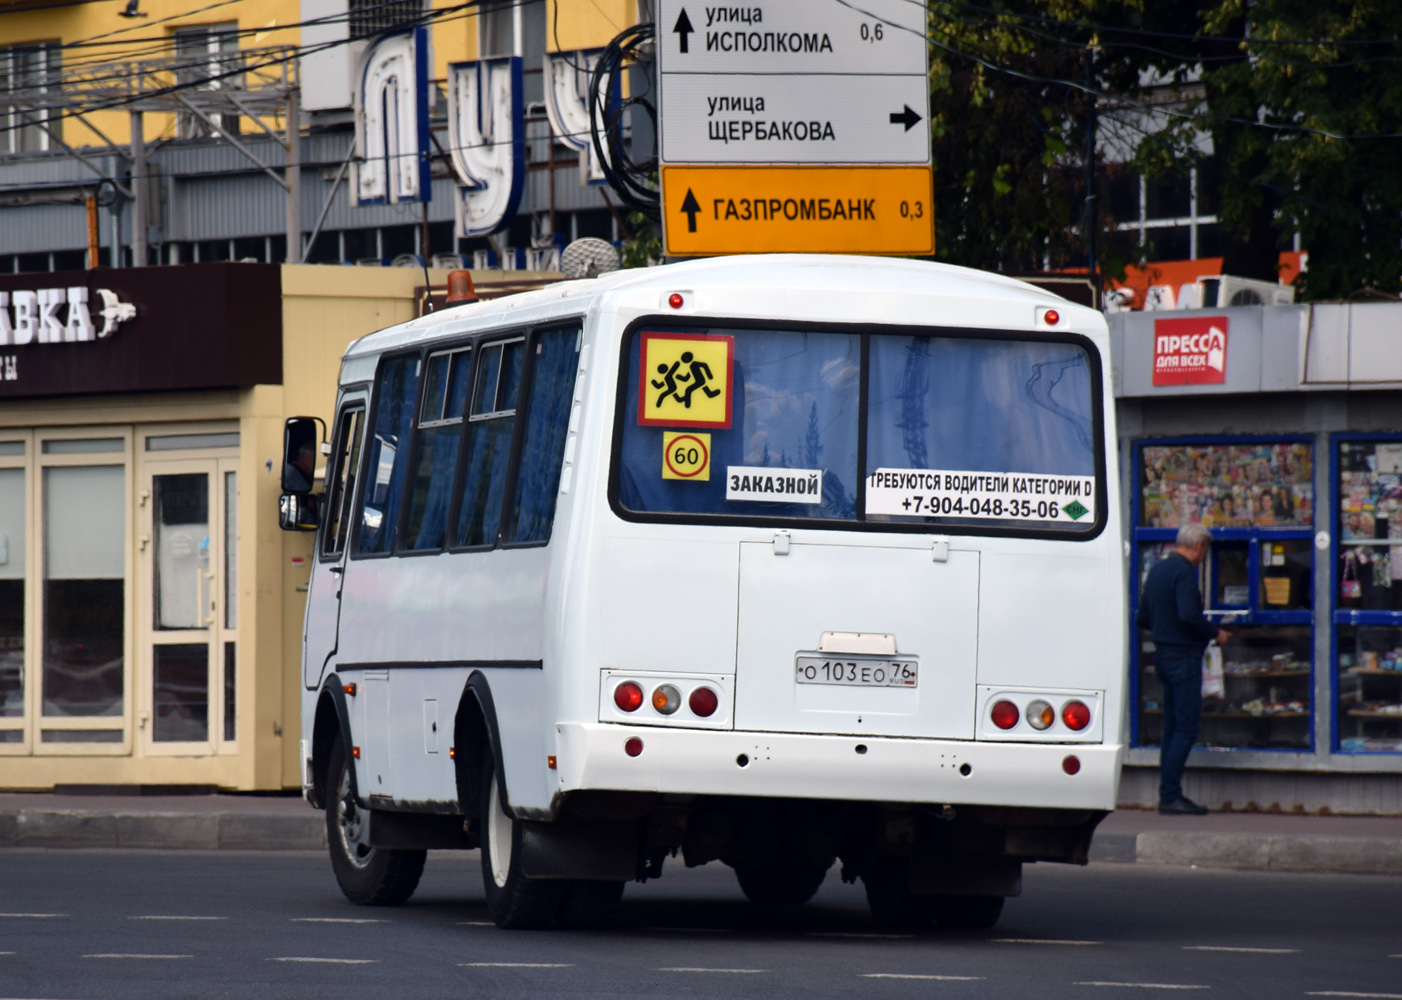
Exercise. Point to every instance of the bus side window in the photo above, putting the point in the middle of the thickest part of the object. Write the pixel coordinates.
(491, 420)
(340, 487)
(396, 393)
(440, 430)
(532, 510)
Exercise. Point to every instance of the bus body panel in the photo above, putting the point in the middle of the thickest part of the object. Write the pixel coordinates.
(928, 608)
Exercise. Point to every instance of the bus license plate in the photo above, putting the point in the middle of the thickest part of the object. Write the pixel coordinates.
(858, 671)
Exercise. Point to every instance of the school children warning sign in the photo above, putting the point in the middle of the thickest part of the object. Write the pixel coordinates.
(684, 380)
(1190, 351)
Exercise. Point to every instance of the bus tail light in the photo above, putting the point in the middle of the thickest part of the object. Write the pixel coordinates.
(703, 702)
(1005, 714)
(1076, 715)
(628, 696)
(1040, 715)
(666, 699)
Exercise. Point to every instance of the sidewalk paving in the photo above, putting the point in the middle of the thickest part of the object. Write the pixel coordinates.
(1266, 841)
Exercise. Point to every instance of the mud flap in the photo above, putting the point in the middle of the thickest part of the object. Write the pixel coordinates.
(573, 849)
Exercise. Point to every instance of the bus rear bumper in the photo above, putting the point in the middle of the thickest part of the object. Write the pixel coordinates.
(852, 768)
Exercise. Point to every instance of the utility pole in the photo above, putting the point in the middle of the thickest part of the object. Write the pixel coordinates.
(293, 176)
(140, 192)
(1091, 224)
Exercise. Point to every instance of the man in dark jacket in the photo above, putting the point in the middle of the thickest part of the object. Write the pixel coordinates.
(1171, 609)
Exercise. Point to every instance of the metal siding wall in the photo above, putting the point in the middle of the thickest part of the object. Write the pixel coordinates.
(41, 228)
(214, 192)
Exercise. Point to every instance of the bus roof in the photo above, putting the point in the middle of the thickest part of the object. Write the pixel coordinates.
(795, 272)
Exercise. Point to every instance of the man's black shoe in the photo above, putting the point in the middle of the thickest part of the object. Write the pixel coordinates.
(1182, 807)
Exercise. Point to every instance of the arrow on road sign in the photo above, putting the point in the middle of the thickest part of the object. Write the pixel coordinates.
(683, 28)
(908, 118)
(690, 207)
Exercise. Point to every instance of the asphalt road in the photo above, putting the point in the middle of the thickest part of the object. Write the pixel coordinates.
(83, 925)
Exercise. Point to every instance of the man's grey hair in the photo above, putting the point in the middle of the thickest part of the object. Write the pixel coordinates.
(1190, 536)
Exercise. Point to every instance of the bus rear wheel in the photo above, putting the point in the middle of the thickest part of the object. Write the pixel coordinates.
(890, 899)
(780, 884)
(369, 876)
(513, 900)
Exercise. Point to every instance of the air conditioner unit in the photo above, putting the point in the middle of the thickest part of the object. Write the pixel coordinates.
(1225, 290)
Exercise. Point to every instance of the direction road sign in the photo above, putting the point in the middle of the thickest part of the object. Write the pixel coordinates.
(778, 83)
(854, 209)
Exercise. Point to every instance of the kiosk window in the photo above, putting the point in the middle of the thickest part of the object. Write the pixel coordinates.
(440, 430)
(341, 488)
(543, 443)
(395, 396)
(491, 420)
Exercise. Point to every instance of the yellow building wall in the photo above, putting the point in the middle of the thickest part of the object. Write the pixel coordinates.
(570, 24)
(586, 24)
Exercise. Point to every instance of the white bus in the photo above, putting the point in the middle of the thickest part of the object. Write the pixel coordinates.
(781, 561)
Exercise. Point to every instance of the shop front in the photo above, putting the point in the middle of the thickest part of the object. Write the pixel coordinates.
(1243, 420)
(150, 610)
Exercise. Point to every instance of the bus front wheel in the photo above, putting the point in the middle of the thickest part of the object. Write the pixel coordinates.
(513, 900)
(370, 876)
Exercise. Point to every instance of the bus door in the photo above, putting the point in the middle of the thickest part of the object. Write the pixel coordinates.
(868, 639)
(322, 624)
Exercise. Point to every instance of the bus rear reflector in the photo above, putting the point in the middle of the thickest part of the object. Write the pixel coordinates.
(1005, 714)
(633, 746)
(628, 696)
(1071, 765)
(1076, 715)
(703, 702)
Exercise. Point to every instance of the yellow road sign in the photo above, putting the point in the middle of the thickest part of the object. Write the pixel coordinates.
(686, 456)
(684, 380)
(817, 209)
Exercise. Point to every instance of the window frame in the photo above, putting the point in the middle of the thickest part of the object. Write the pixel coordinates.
(331, 488)
(865, 331)
(1248, 616)
(474, 344)
(372, 413)
(1339, 617)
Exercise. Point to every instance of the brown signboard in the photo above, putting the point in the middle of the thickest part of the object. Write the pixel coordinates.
(147, 329)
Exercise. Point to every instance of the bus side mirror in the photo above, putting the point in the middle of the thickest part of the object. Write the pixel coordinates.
(298, 511)
(299, 453)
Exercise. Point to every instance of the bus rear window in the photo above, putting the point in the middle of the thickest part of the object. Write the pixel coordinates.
(979, 432)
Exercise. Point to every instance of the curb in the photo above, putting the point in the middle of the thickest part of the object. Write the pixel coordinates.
(1254, 852)
(162, 831)
(70, 828)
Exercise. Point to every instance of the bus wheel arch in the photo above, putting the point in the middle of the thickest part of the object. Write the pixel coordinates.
(331, 721)
(475, 735)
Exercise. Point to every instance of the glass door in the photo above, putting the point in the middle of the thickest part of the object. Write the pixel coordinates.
(188, 558)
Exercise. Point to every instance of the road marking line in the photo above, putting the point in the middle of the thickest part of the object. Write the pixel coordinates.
(34, 916)
(328, 961)
(6, 953)
(739, 971)
(1040, 941)
(903, 975)
(475, 923)
(177, 918)
(1147, 986)
(337, 920)
(515, 965)
(138, 956)
(1375, 996)
(1244, 951)
(855, 934)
